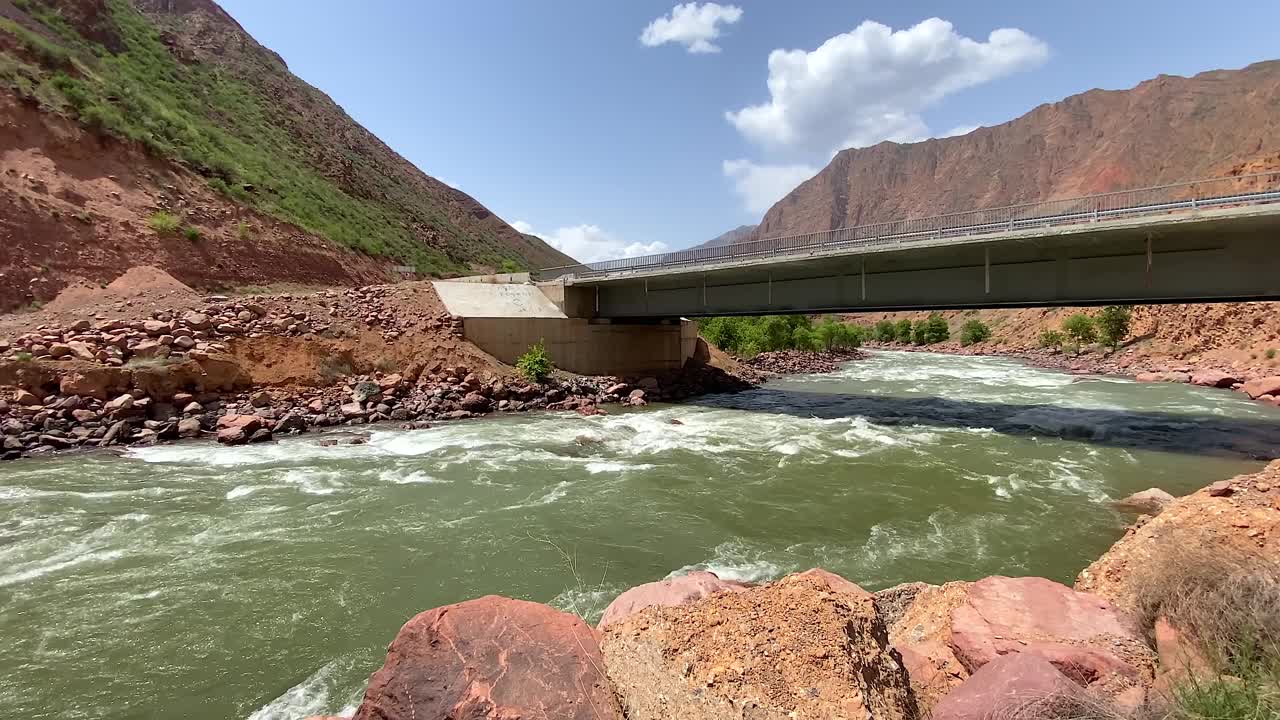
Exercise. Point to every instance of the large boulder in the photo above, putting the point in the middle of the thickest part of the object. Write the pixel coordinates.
(493, 658)
(1084, 635)
(804, 647)
(1236, 521)
(1147, 502)
(666, 593)
(1262, 386)
(1213, 379)
(1004, 686)
(919, 622)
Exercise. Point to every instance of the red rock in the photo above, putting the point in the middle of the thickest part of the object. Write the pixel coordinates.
(1002, 686)
(475, 402)
(589, 410)
(1073, 630)
(1176, 654)
(1222, 488)
(666, 593)
(1214, 379)
(492, 658)
(238, 429)
(1262, 386)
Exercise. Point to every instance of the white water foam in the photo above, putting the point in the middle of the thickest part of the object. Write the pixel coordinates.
(734, 560)
(307, 698)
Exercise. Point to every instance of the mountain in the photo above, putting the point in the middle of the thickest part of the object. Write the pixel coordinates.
(742, 233)
(1165, 130)
(160, 130)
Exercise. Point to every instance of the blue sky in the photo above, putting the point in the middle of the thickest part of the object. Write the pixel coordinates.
(557, 114)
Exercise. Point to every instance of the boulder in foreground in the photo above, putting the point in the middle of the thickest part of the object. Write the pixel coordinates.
(805, 647)
(1003, 686)
(671, 592)
(1083, 635)
(492, 658)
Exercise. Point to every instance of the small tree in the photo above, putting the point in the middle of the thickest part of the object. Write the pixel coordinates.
(974, 331)
(509, 267)
(803, 338)
(1080, 328)
(535, 364)
(1113, 325)
(905, 332)
(885, 331)
(920, 332)
(936, 329)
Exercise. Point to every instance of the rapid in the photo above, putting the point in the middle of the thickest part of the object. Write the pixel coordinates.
(265, 581)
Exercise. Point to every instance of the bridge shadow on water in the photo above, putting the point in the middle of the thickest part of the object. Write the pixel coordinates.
(1202, 434)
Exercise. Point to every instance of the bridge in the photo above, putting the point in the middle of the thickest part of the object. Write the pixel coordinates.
(1204, 241)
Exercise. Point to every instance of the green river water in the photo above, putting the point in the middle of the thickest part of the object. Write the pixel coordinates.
(195, 581)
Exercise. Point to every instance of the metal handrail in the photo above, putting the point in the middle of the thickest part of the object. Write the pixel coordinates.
(1122, 204)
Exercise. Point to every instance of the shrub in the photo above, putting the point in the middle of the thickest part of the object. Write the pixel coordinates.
(905, 331)
(23, 357)
(1113, 325)
(1080, 327)
(535, 364)
(509, 266)
(920, 332)
(936, 329)
(974, 331)
(1051, 338)
(163, 222)
(885, 331)
(242, 230)
(1271, 353)
(192, 233)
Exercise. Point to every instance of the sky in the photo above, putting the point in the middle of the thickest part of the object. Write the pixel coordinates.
(623, 127)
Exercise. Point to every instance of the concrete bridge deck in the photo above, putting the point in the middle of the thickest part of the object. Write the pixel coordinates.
(1169, 244)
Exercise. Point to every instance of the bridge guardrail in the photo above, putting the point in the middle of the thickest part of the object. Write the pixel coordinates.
(1192, 196)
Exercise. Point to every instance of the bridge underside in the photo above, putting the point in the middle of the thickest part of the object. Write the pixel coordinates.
(1201, 259)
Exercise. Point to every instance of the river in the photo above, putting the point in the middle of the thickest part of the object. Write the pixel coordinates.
(264, 582)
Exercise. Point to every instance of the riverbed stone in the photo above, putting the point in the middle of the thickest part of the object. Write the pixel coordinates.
(493, 658)
(796, 648)
(238, 429)
(666, 593)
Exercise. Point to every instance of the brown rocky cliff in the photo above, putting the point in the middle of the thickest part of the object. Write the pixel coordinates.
(1164, 130)
(206, 33)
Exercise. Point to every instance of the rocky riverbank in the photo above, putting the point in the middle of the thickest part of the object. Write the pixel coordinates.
(147, 360)
(815, 645)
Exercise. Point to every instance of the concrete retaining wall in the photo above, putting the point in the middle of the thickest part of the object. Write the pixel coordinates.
(588, 348)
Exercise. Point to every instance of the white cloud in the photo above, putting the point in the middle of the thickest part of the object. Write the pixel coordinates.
(590, 243)
(871, 84)
(959, 130)
(691, 25)
(763, 185)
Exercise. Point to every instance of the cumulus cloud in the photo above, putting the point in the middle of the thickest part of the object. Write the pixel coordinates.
(871, 84)
(591, 243)
(763, 185)
(691, 25)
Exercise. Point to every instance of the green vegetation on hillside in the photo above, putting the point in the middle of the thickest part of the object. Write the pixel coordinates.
(974, 331)
(222, 128)
(750, 336)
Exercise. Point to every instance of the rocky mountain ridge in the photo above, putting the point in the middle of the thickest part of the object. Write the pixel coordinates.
(161, 131)
(1164, 130)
